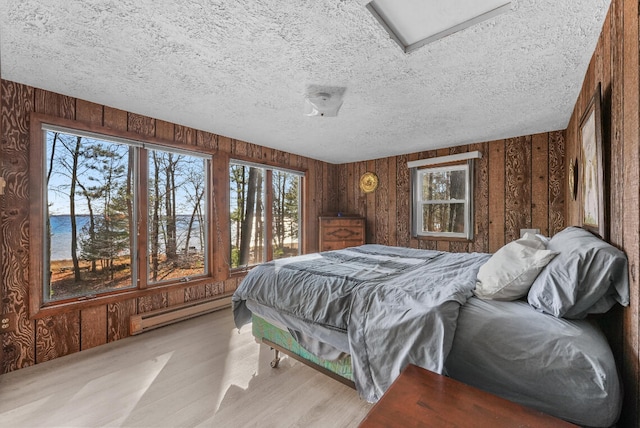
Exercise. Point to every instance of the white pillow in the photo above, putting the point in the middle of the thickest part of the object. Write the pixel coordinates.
(509, 273)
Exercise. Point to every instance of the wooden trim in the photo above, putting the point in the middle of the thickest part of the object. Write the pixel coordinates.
(265, 162)
(161, 317)
(142, 207)
(441, 238)
(36, 214)
(447, 159)
(220, 234)
(268, 215)
(62, 307)
(107, 131)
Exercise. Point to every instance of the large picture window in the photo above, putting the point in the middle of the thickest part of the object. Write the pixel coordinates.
(177, 224)
(264, 212)
(117, 214)
(442, 201)
(88, 214)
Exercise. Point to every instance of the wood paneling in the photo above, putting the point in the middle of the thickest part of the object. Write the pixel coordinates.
(57, 336)
(615, 65)
(2, 209)
(152, 302)
(517, 182)
(481, 199)
(118, 319)
(93, 325)
(403, 206)
(89, 112)
(517, 186)
(496, 195)
(540, 182)
(16, 104)
(557, 182)
(381, 198)
(630, 196)
(70, 330)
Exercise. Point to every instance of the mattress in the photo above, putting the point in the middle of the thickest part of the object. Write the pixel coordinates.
(380, 296)
(558, 366)
(561, 367)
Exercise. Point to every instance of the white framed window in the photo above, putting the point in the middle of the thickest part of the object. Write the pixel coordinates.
(442, 198)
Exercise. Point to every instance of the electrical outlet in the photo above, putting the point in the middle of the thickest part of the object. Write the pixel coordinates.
(8, 323)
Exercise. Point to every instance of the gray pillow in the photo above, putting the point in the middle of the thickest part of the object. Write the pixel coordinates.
(588, 276)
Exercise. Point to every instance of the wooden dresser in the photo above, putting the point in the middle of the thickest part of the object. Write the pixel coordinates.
(337, 233)
(420, 398)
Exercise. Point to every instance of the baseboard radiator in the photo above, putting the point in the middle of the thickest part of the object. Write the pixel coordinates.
(161, 317)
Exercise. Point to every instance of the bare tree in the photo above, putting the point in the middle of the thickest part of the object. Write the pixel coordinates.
(171, 247)
(72, 210)
(155, 218)
(249, 217)
(196, 179)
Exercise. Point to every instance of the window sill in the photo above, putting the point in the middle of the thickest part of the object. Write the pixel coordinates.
(80, 303)
(442, 238)
(239, 272)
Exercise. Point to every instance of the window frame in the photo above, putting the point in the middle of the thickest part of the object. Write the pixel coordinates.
(268, 214)
(38, 307)
(417, 203)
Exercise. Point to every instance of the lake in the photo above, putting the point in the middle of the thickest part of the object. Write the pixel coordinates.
(61, 234)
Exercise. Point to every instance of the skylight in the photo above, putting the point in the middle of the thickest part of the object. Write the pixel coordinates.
(414, 23)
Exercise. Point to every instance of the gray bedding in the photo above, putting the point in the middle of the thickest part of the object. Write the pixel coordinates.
(396, 305)
(558, 366)
(561, 367)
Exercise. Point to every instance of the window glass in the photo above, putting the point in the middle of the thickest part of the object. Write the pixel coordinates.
(177, 215)
(250, 196)
(442, 202)
(247, 215)
(91, 233)
(286, 210)
(89, 218)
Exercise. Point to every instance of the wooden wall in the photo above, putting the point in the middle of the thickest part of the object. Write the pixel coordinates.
(615, 65)
(38, 340)
(518, 184)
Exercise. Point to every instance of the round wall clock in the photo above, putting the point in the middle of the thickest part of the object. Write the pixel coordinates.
(368, 182)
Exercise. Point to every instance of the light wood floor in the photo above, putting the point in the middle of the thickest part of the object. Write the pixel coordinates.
(197, 373)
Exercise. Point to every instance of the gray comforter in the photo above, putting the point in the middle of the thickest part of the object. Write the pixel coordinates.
(397, 305)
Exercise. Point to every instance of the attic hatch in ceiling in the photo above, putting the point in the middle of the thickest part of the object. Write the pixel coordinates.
(414, 23)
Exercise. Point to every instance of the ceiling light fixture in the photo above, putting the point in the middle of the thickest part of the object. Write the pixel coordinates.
(323, 101)
(414, 23)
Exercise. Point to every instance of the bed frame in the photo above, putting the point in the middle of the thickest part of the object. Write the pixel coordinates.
(282, 342)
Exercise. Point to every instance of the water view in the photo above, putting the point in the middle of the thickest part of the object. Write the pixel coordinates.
(61, 234)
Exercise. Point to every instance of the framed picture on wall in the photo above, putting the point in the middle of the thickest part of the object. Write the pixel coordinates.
(592, 168)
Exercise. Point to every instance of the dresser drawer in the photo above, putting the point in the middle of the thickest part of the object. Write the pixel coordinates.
(343, 233)
(339, 245)
(337, 233)
(341, 222)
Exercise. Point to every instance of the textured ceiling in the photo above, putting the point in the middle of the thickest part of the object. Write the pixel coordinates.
(241, 68)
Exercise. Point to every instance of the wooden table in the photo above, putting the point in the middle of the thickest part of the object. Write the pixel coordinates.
(420, 398)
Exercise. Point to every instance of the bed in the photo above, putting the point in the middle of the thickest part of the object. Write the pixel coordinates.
(364, 313)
